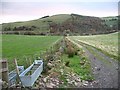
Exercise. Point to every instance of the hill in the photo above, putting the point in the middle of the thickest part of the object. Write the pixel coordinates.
(72, 24)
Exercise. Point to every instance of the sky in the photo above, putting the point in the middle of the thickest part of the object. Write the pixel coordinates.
(24, 10)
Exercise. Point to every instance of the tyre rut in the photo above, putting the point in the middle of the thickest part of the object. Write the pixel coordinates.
(104, 68)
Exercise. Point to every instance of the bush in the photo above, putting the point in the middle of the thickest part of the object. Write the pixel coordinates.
(70, 51)
(29, 33)
(67, 63)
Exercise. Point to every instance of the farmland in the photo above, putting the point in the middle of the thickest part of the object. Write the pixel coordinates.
(102, 52)
(107, 43)
(21, 47)
(73, 61)
(0, 46)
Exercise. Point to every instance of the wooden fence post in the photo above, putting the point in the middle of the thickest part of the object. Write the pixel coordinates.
(4, 70)
(18, 80)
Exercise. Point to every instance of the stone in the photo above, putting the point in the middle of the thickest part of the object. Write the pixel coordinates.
(78, 79)
(82, 63)
(61, 49)
(61, 71)
(49, 64)
(85, 83)
(75, 83)
(67, 79)
(56, 80)
(57, 83)
(69, 82)
(117, 68)
(59, 61)
(97, 68)
(49, 85)
(53, 85)
(37, 81)
(45, 80)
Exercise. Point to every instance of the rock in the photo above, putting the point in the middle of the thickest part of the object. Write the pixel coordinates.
(45, 80)
(48, 85)
(72, 74)
(49, 64)
(57, 83)
(37, 86)
(75, 83)
(61, 49)
(95, 82)
(56, 80)
(70, 82)
(53, 85)
(67, 79)
(97, 68)
(42, 85)
(117, 68)
(41, 76)
(37, 81)
(59, 61)
(58, 53)
(85, 83)
(78, 79)
(61, 71)
(82, 62)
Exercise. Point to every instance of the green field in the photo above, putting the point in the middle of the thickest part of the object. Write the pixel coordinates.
(0, 46)
(107, 43)
(20, 47)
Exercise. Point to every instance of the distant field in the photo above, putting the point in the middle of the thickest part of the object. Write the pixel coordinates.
(0, 46)
(107, 43)
(19, 47)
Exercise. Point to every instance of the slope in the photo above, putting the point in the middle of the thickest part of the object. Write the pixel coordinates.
(72, 24)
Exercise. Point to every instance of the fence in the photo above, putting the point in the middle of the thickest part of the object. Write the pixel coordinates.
(4, 70)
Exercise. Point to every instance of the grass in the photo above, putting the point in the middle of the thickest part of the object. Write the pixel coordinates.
(42, 24)
(96, 54)
(109, 20)
(22, 46)
(107, 43)
(0, 46)
(83, 70)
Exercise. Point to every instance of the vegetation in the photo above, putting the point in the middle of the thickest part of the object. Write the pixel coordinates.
(107, 43)
(77, 62)
(22, 47)
(63, 58)
(80, 66)
(72, 24)
(0, 46)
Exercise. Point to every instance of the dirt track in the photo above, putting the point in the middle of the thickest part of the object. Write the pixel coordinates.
(104, 68)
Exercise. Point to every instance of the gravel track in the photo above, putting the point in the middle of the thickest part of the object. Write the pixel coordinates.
(105, 69)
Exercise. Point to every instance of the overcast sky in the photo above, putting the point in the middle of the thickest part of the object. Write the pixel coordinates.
(23, 10)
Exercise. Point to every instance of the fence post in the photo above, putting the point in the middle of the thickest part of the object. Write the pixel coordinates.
(4, 70)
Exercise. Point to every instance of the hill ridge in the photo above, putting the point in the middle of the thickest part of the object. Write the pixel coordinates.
(63, 24)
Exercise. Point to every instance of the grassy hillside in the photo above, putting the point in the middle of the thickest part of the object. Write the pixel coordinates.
(58, 24)
(111, 21)
(41, 24)
(107, 43)
(20, 47)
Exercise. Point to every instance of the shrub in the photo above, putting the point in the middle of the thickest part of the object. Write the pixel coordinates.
(67, 63)
(70, 51)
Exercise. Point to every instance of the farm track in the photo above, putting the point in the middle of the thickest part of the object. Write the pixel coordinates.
(104, 68)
